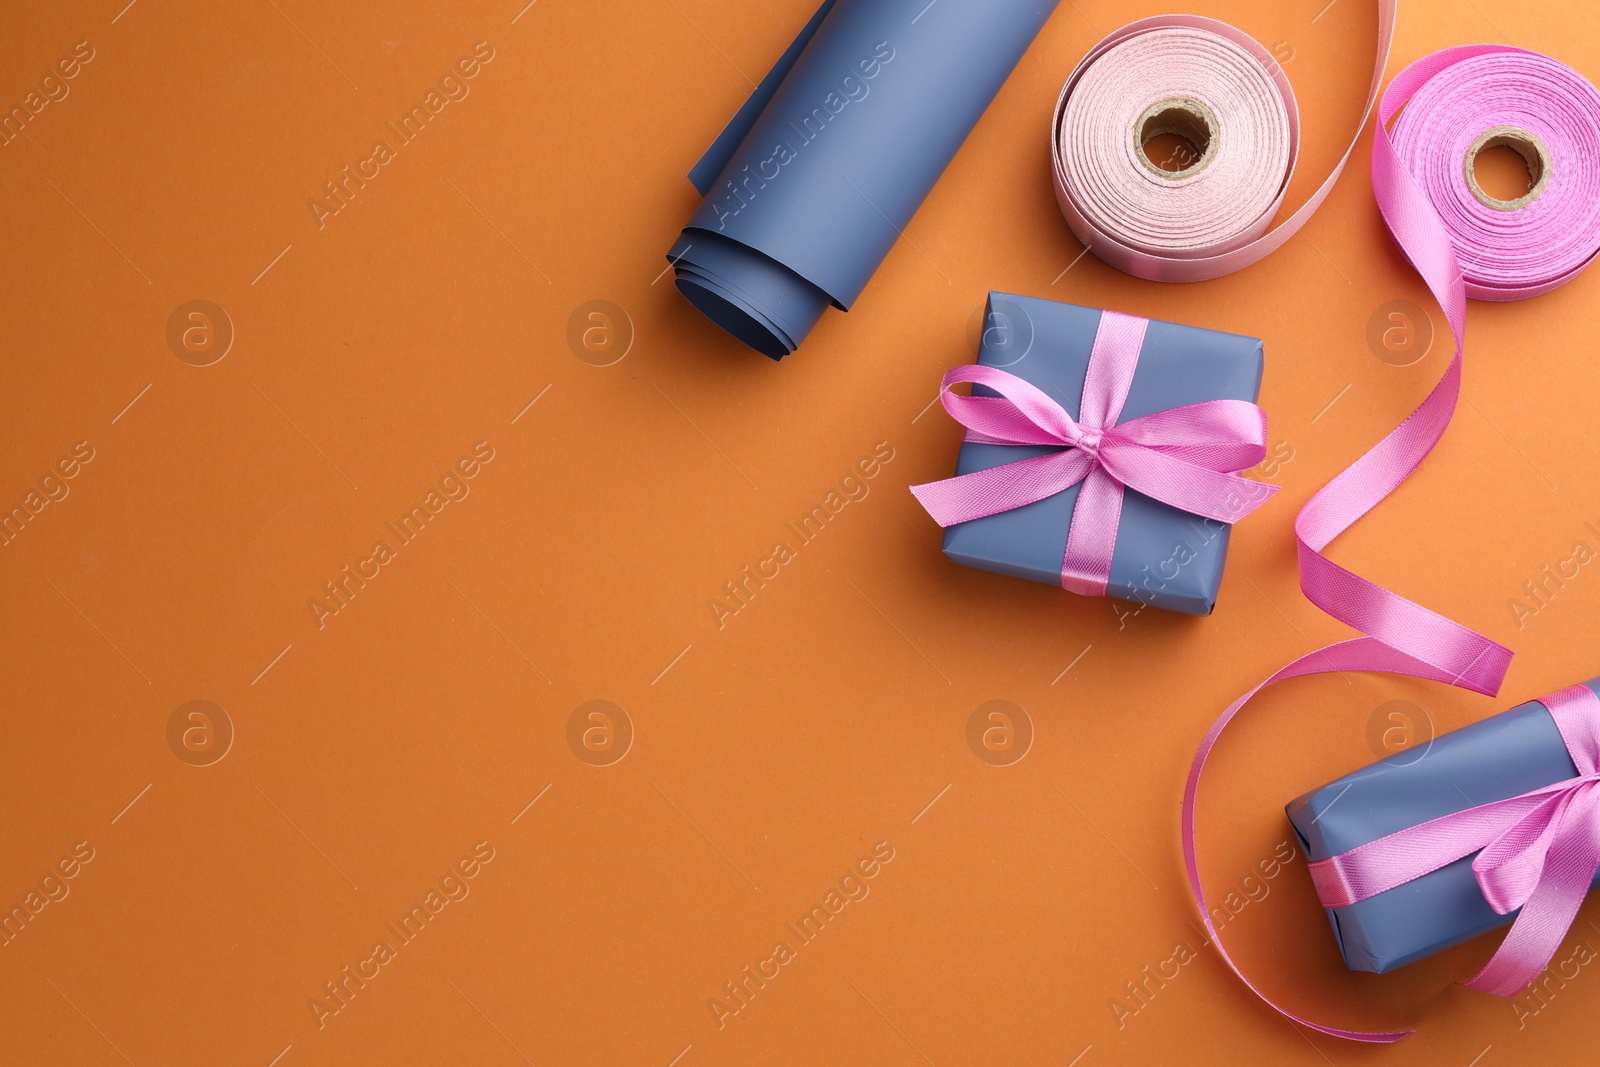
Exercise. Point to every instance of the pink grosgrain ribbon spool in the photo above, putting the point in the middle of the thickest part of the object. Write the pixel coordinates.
(1463, 243)
(1230, 98)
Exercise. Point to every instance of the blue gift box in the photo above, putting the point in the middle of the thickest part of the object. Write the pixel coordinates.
(1164, 557)
(1500, 757)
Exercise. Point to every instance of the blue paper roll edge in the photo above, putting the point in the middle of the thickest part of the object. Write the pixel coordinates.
(754, 295)
(784, 306)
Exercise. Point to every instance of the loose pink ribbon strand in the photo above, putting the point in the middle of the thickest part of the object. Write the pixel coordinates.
(1184, 456)
(1403, 637)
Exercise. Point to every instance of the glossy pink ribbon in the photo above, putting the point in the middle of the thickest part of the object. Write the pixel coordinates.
(1184, 456)
(1403, 637)
(1538, 852)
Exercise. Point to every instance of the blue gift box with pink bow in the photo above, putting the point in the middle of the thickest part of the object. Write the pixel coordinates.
(1459, 834)
(1102, 452)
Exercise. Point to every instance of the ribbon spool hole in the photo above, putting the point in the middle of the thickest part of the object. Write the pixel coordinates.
(1507, 168)
(1176, 137)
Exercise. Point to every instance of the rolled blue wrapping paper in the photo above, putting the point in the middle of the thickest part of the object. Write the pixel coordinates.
(817, 175)
(1164, 557)
(1500, 757)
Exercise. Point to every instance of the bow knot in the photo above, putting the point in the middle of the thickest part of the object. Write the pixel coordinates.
(1187, 456)
(1089, 442)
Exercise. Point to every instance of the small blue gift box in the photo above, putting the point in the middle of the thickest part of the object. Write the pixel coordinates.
(1503, 756)
(1164, 557)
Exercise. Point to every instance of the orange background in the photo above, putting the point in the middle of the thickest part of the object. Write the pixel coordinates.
(371, 754)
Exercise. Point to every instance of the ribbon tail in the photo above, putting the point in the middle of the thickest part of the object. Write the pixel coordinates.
(981, 493)
(1212, 494)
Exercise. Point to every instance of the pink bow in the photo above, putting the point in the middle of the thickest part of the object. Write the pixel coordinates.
(1183, 456)
(1540, 852)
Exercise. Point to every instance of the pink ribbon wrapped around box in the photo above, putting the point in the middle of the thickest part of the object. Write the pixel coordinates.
(1102, 452)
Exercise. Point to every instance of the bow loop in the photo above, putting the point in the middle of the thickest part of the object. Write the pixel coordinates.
(1222, 435)
(1510, 866)
(1023, 414)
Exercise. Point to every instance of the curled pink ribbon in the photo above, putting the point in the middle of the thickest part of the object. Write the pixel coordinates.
(1538, 852)
(1184, 456)
(1454, 95)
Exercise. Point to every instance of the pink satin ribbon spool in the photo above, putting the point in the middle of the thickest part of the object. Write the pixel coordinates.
(1458, 95)
(1462, 243)
(1213, 217)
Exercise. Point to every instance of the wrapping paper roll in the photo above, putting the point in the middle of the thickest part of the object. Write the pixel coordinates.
(815, 178)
